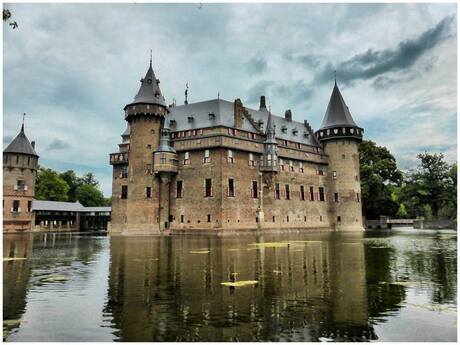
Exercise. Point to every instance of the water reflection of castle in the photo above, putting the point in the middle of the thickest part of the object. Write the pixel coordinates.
(160, 291)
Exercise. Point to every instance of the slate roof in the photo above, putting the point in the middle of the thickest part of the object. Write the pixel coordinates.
(149, 92)
(45, 205)
(21, 144)
(337, 113)
(62, 206)
(196, 115)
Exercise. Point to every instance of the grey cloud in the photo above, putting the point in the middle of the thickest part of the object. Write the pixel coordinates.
(7, 139)
(384, 82)
(58, 144)
(256, 66)
(374, 63)
(257, 90)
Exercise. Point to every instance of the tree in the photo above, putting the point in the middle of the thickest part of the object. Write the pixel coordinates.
(73, 181)
(50, 186)
(90, 179)
(89, 195)
(7, 18)
(431, 189)
(379, 177)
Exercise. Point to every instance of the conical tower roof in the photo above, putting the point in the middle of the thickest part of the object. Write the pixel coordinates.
(21, 145)
(337, 113)
(270, 129)
(150, 92)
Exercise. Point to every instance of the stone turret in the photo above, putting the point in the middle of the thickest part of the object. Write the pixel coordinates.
(340, 137)
(20, 163)
(145, 116)
(269, 162)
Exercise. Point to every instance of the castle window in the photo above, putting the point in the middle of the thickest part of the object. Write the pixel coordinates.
(179, 189)
(302, 193)
(20, 185)
(336, 197)
(124, 192)
(207, 157)
(251, 160)
(208, 188)
(231, 188)
(17, 159)
(301, 167)
(312, 194)
(149, 146)
(287, 192)
(162, 159)
(281, 164)
(181, 218)
(299, 146)
(187, 158)
(15, 207)
(232, 131)
(284, 130)
(28, 160)
(291, 166)
(277, 191)
(334, 174)
(286, 143)
(148, 192)
(357, 197)
(274, 218)
(320, 172)
(200, 131)
(194, 132)
(339, 219)
(254, 190)
(124, 172)
(343, 156)
(320, 218)
(209, 218)
(189, 133)
(230, 158)
(29, 206)
(321, 194)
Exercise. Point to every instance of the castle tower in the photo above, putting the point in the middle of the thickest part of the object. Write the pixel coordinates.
(165, 164)
(145, 116)
(20, 162)
(340, 137)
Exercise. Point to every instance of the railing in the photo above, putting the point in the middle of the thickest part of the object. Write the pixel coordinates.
(119, 158)
(20, 188)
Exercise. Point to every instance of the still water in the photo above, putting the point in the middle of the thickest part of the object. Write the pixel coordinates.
(378, 286)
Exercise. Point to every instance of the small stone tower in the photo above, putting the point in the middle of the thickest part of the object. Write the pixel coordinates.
(340, 137)
(20, 162)
(145, 116)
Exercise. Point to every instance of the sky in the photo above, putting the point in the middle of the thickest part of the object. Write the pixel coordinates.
(73, 67)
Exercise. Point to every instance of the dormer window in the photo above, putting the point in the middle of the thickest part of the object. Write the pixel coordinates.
(305, 135)
(284, 129)
(295, 131)
(212, 116)
(149, 81)
(260, 123)
(190, 118)
(172, 122)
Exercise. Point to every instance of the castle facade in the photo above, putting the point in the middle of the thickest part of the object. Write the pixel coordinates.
(219, 166)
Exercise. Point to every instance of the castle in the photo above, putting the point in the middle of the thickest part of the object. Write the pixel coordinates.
(220, 167)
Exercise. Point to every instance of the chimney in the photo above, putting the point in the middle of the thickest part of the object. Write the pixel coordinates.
(262, 103)
(288, 115)
(33, 144)
(238, 113)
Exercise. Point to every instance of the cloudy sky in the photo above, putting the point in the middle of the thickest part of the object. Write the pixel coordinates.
(72, 68)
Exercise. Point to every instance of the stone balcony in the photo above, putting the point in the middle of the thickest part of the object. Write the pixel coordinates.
(164, 162)
(119, 158)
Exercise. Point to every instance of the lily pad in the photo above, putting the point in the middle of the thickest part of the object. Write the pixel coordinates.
(270, 244)
(240, 283)
(55, 279)
(277, 272)
(199, 251)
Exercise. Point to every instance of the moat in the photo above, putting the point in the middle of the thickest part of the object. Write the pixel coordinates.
(398, 285)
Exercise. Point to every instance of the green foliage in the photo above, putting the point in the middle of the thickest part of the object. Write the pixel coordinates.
(431, 189)
(7, 18)
(67, 186)
(379, 176)
(50, 186)
(89, 195)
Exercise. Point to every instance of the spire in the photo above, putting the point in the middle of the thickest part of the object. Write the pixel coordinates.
(23, 118)
(150, 92)
(337, 113)
(150, 58)
(21, 144)
(270, 129)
